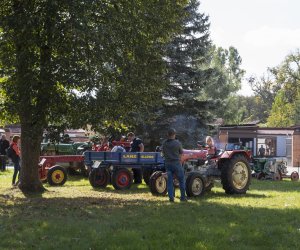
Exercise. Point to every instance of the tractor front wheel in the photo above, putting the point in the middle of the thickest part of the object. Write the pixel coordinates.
(158, 183)
(99, 177)
(294, 176)
(57, 176)
(236, 175)
(122, 179)
(195, 185)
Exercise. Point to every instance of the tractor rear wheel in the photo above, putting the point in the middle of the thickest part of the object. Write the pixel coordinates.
(277, 177)
(195, 185)
(236, 175)
(294, 176)
(158, 183)
(99, 177)
(122, 179)
(57, 176)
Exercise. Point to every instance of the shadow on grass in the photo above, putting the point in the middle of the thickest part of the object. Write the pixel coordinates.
(139, 189)
(116, 223)
(134, 189)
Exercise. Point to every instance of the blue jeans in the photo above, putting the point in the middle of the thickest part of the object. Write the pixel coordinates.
(16, 170)
(175, 168)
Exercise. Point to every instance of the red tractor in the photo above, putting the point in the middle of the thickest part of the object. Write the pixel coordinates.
(50, 171)
(230, 166)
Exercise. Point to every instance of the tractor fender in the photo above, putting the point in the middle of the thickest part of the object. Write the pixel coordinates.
(231, 154)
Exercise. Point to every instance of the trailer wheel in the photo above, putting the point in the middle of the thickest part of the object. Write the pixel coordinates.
(236, 175)
(57, 176)
(146, 175)
(195, 185)
(158, 183)
(122, 179)
(294, 176)
(99, 177)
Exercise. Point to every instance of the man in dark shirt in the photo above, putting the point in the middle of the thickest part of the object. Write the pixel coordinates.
(172, 150)
(261, 151)
(4, 144)
(136, 146)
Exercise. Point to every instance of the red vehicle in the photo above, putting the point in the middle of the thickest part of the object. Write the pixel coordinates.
(230, 166)
(54, 174)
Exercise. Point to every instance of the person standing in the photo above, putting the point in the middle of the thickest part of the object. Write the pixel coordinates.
(15, 157)
(4, 144)
(136, 146)
(172, 151)
(261, 151)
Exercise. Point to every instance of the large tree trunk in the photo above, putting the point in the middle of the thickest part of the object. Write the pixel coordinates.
(33, 99)
(30, 148)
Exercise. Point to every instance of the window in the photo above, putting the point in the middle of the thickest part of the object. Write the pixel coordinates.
(266, 146)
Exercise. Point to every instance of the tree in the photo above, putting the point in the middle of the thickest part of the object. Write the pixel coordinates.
(265, 89)
(185, 56)
(201, 79)
(225, 83)
(56, 54)
(284, 110)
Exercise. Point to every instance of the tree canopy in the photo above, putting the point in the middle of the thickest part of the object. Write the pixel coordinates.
(60, 59)
(285, 109)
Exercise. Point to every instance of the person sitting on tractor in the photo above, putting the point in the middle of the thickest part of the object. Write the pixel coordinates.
(105, 145)
(119, 149)
(210, 146)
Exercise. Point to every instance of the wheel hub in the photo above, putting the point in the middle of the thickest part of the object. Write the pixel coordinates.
(240, 175)
(197, 186)
(57, 176)
(161, 184)
(123, 180)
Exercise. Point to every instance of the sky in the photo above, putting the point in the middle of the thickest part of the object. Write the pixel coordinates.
(263, 31)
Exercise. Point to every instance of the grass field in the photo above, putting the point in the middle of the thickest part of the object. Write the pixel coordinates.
(76, 216)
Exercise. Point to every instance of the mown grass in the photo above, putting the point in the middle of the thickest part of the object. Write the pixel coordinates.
(76, 216)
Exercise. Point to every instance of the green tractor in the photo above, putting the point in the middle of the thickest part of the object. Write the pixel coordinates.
(74, 148)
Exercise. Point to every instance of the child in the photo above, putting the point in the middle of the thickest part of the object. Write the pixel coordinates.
(211, 149)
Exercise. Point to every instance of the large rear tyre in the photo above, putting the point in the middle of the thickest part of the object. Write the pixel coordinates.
(236, 175)
(57, 176)
(158, 183)
(99, 177)
(122, 179)
(195, 185)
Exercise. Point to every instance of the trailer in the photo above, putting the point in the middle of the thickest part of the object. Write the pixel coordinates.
(115, 167)
(232, 167)
(52, 172)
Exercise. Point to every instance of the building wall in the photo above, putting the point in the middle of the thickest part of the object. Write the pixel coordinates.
(296, 149)
(281, 146)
